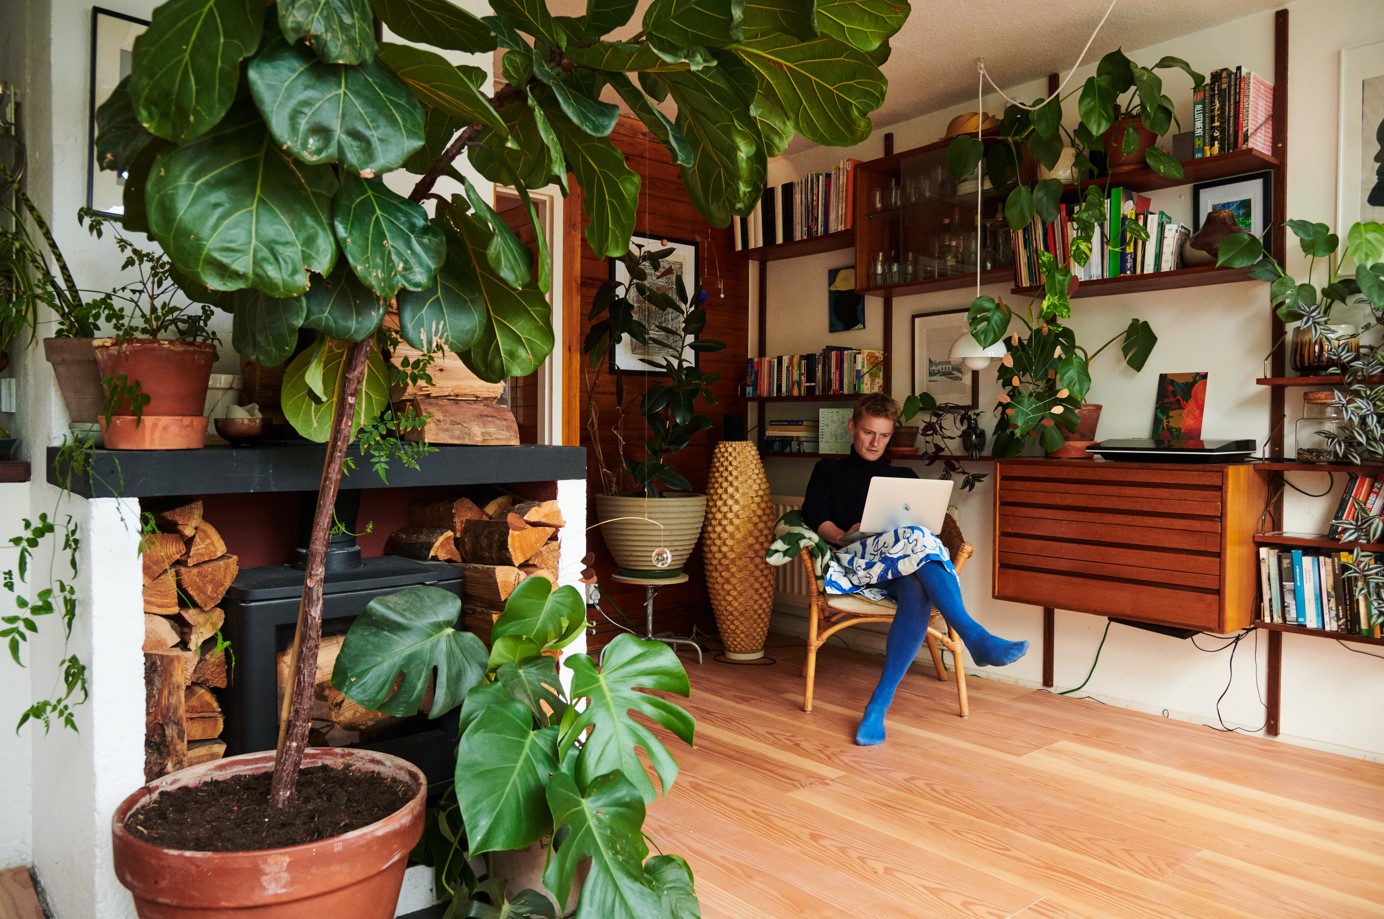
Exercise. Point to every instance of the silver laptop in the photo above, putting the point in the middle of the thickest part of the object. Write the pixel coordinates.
(892, 503)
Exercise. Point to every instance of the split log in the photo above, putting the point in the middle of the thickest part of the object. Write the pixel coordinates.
(501, 542)
(534, 571)
(204, 751)
(207, 583)
(496, 508)
(480, 618)
(341, 711)
(207, 544)
(196, 625)
(546, 556)
(184, 518)
(199, 700)
(157, 551)
(446, 514)
(455, 421)
(161, 594)
(489, 583)
(540, 513)
(423, 543)
(204, 727)
(450, 377)
(165, 740)
(159, 634)
(210, 669)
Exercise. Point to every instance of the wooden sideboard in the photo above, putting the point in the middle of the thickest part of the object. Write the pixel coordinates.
(1163, 543)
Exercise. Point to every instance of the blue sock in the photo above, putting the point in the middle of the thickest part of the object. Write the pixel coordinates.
(906, 634)
(944, 591)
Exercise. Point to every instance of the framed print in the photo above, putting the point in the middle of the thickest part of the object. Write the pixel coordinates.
(1247, 197)
(630, 356)
(935, 371)
(1360, 176)
(112, 46)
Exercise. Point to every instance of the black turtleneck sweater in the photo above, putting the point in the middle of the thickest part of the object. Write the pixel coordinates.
(837, 489)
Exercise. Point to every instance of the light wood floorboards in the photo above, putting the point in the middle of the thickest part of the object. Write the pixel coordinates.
(1037, 806)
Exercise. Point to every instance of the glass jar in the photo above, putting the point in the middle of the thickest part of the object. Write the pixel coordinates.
(1321, 420)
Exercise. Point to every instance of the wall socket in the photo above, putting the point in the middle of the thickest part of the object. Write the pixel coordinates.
(9, 389)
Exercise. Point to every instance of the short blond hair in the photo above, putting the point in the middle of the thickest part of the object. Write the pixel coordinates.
(877, 404)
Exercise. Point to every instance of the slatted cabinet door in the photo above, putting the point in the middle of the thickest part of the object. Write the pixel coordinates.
(1170, 544)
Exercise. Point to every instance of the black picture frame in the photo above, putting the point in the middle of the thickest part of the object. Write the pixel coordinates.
(934, 370)
(628, 356)
(1254, 191)
(112, 37)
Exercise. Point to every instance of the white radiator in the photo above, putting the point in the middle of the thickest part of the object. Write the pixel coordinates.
(790, 580)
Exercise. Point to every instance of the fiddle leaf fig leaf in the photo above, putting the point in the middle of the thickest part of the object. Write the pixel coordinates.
(439, 23)
(438, 130)
(653, 119)
(729, 166)
(826, 87)
(341, 307)
(791, 16)
(339, 31)
(449, 312)
(1137, 344)
(593, 116)
(311, 384)
(265, 329)
(510, 258)
(775, 127)
(531, 16)
(611, 187)
(187, 64)
(603, 825)
(622, 57)
(529, 151)
(503, 768)
(233, 212)
(603, 16)
(1239, 250)
(629, 665)
(441, 85)
(684, 24)
(119, 135)
(516, 331)
(407, 638)
(864, 24)
(305, 102)
(387, 240)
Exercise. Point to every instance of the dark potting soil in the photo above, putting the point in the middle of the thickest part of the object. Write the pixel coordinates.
(233, 814)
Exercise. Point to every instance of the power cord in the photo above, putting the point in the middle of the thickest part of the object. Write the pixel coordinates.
(1233, 643)
(1092, 671)
(1346, 645)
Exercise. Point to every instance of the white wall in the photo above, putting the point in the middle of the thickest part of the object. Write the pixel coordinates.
(1223, 329)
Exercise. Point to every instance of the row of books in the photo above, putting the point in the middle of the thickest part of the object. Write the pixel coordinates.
(815, 205)
(1232, 111)
(1115, 252)
(1309, 588)
(1362, 493)
(791, 435)
(833, 371)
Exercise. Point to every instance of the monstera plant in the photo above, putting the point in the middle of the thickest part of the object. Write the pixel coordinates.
(265, 146)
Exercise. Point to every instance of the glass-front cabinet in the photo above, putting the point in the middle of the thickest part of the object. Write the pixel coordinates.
(917, 228)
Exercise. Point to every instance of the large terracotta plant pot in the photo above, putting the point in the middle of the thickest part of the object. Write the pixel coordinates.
(1117, 159)
(356, 875)
(79, 379)
(739, 526)
(1076, 442)
(173, 374)
(639, 528)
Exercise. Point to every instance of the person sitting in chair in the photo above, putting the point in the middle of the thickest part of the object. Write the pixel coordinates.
(833, 505)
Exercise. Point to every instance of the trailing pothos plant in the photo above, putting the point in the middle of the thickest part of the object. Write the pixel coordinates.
(257, 153)
(536, 763)
(1045, 375)
(944, 423)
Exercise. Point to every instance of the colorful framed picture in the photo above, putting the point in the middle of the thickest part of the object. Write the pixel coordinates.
(1179, 406)
(1360, 176)
(630, 356)
(1247, 197)
(845, 307)
(112, 48)
(935, 371)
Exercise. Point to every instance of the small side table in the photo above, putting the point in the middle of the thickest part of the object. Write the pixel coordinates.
(651, 586)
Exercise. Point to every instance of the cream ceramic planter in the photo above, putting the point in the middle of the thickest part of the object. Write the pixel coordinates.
(640, 527)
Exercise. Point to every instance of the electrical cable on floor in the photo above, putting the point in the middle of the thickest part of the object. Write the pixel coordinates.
(1067, 692)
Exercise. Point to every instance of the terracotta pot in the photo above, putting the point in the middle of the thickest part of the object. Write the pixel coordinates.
(173, 374)
(154, 432)
(1114, 151)
(633, 534)
(356, 875)
(79, 379)
(1075, 442)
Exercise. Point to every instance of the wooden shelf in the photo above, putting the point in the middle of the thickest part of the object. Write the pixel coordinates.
(838, 397)
(1197, 276)
(1282, 465)
(1317, 633)
(1329, 380)
(994, 276)
(771, 454)
(831, 242)
(1237, 162)
(14, 471)
(1313, 541)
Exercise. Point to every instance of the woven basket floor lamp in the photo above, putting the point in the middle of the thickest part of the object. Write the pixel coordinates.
(739, 525)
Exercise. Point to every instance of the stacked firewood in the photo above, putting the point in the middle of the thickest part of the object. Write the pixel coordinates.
(336, 720)
(497, 545)
(459, 406)
(186, 572)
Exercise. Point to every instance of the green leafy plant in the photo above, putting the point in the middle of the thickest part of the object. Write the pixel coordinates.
(27, 280)
(257, 154)
(1044, 374)
(535, 763)
(668, 406)
(943, 424)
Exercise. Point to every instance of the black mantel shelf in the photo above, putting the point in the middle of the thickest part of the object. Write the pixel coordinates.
(297, 466)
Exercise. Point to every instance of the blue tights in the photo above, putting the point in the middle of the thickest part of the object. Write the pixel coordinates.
(916, 595)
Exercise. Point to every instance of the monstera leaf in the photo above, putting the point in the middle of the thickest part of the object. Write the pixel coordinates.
(339, 31)
(313, 380)
(672, 878)
(603, 825)
(629, 665)
(503, 767)
(551, 619)
(408, 638)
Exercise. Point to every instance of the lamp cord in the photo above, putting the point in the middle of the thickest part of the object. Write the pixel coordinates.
(985, 74)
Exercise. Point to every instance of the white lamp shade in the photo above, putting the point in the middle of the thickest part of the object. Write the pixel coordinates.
(967, 350)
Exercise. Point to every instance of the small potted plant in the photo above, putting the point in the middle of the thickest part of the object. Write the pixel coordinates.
(940, 425)
(637, 529)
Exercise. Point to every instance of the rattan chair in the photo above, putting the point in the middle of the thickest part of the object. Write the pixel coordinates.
(831, 613)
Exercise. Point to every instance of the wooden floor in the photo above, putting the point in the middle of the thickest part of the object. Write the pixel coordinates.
(1038, 805)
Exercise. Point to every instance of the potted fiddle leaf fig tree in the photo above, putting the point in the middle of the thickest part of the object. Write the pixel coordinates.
(256, 154)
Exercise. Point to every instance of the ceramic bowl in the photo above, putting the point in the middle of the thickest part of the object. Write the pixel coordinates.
(239, 430)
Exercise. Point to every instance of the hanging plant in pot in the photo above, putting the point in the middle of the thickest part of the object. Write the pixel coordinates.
(649, 529)
(256, 155)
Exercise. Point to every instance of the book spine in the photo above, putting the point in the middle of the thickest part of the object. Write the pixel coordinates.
(1311, 595)
(1115, 210)
(1275, 587)
(1299, 590)
(1233, 134)
(1265, 585)
(1290, 585)
(1199, 122)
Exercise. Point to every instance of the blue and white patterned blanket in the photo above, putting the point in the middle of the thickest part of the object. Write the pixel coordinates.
(860, 567)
